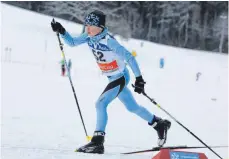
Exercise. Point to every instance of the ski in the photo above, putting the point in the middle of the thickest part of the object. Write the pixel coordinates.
(158, 149)
(171, 148)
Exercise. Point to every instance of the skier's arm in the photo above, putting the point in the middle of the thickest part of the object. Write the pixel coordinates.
(76, 40)
(126, 55)
(58, 28)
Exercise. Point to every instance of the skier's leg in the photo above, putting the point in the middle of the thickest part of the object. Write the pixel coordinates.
(110, 93)
(62, 70)
(160, 125)
(128, 100)
(131, 105)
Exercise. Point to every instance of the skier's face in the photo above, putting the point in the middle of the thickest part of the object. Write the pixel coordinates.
(93, 30)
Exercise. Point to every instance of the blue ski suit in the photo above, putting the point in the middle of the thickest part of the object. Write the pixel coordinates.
(111, 58)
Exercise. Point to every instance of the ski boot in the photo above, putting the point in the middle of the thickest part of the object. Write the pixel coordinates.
(96, 144)
(161, 126)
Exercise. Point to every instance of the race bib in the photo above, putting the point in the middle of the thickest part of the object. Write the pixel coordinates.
(108, 62)
(108, 67)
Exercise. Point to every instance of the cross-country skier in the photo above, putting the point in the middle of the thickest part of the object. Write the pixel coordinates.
(69, 65)
(111, 57)
(62, 63)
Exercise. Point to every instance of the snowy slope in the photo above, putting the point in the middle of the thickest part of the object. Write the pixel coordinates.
(39, 114)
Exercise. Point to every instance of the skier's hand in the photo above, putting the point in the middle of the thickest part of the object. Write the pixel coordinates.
(139, 85)
(57, 27)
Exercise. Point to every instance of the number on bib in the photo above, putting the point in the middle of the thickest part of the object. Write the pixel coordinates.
(98, 55)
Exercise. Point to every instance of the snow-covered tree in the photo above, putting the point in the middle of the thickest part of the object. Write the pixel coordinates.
(191, 24)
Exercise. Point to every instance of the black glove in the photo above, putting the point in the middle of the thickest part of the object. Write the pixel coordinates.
(57, 27)
(139, 85)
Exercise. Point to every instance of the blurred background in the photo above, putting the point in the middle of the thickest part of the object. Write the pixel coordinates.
(201, 25)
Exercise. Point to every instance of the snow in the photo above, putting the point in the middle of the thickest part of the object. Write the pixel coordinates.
(39, 115)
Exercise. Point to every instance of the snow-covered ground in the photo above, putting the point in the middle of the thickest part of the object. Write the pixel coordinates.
(39, 118)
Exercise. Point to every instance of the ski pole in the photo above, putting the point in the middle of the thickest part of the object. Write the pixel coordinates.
(69, 76)
(154, 102)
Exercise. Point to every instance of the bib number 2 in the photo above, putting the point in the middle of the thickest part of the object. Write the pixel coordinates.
(98, 55)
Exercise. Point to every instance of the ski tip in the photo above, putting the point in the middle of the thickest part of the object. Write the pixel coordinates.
(76, 150)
